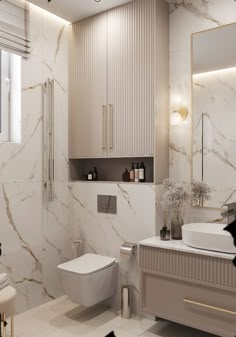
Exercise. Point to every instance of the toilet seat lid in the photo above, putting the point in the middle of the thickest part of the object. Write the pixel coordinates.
(87, 264)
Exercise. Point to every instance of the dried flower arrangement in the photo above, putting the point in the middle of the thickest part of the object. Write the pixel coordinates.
(175, 194)
(201, 192)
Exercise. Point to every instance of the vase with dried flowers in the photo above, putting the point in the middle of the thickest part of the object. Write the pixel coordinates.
(175, 194)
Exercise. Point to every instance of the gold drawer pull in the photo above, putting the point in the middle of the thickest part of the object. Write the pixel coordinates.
(210, 307)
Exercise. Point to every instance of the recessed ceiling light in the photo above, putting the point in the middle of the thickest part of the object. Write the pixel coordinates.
(97, 0)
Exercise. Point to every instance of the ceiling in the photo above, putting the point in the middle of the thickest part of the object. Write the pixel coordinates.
(75, 10)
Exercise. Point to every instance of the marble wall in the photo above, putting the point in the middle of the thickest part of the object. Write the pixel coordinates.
(104, 234)
(214, 118)
(187, 17)
(36, 237)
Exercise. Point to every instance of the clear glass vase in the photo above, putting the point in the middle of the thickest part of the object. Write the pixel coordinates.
(177, 222)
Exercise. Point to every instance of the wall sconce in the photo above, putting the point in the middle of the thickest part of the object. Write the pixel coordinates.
(178, 115)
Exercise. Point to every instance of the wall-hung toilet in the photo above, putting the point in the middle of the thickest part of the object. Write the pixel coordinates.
(89, 279)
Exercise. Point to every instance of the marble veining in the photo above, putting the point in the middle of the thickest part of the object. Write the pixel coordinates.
(199, 9)
(105, 233)
(188, 17)
(36, 237)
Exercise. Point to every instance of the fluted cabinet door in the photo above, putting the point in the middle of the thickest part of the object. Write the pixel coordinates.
(89, 67)
(131, 79)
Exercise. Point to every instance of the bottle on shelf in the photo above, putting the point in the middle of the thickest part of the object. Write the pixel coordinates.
(142, 172)
(90, 176)
(131, 173)
(136, 173)
(126, 176)
(95, 174)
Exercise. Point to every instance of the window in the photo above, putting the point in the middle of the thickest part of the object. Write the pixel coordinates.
(10, 97)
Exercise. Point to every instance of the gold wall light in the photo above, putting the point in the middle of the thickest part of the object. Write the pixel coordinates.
(178, 115)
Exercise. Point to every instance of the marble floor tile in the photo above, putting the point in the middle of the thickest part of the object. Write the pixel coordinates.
(168, 329)
(62, 318)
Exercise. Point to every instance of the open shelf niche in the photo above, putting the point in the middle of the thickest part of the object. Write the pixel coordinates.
(109, 169)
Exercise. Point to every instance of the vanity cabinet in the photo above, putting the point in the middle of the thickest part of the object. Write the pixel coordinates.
(191, 289)
(119, 82)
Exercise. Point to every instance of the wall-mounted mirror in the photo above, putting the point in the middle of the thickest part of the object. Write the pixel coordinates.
(214, 113)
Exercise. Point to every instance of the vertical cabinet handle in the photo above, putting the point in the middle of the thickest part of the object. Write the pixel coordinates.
(103, 127)
(110, 127)
(49, 138)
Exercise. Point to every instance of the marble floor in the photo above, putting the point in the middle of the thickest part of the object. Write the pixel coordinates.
(62, 318)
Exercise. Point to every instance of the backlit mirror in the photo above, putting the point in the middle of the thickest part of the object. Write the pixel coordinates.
(214, 113)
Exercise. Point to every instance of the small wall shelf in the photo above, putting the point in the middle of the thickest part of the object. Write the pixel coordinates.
(109, 169)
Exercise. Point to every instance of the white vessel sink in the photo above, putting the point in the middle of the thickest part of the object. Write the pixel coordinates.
(209, 236)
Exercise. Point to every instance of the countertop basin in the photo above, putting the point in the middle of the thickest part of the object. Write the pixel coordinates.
(209, 236)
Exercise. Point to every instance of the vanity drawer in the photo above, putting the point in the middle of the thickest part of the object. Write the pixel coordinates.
(200, 269)
(201, 307)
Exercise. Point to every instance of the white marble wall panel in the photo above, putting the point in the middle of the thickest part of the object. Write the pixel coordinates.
(188, 17)
(105, 233)
(21, 240)
(36, 237)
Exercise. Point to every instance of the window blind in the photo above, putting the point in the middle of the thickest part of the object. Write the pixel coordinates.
(14, 27)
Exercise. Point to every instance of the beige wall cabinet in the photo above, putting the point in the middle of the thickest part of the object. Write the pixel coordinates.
(88, 88)
(119, 86)
(131, 42)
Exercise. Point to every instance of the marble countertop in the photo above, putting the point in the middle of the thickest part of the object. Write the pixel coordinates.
(180, 246)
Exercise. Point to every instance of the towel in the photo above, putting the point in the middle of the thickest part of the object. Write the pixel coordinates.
(4, 282)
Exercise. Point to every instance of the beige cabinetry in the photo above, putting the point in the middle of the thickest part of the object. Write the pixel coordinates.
(191, 289)
(131, 43)
(119, 82)
(88, 91)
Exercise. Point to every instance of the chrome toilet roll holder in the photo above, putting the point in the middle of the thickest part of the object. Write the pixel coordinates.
(129, 249)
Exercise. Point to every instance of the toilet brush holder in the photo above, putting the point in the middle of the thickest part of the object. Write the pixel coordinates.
(126, 302)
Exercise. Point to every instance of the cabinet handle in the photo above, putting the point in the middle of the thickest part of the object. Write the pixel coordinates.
(110, 127)
(203, 305)
(103, 127)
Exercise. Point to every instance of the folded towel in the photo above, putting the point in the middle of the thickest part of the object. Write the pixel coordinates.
(4, 282)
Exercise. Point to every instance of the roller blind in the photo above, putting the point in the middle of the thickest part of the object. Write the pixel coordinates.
(14, 27)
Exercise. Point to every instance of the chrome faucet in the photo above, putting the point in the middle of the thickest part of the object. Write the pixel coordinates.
(230, 212)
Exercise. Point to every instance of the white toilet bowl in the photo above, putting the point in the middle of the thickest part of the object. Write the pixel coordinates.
(89, 279)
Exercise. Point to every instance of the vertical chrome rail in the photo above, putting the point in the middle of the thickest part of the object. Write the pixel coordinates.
(203, 147)
(49, 140)
(202, 202)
